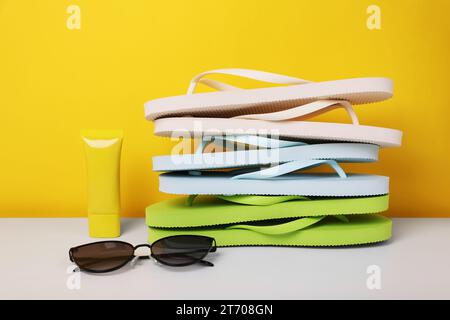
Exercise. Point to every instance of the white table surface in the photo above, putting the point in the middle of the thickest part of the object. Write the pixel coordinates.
(414, 264)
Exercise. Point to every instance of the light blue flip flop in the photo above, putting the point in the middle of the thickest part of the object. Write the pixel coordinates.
(277, 180)
(266, 151)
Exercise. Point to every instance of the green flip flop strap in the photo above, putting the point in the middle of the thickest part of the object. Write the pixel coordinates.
(250, 200)
(253, 200)
(283, 228)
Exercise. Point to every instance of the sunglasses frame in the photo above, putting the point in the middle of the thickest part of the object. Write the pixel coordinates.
(213, 248)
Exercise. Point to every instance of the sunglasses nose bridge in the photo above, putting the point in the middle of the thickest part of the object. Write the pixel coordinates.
(142, 250)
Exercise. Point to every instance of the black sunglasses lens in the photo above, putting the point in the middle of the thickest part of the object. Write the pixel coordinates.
(102, 256)
(181, 250)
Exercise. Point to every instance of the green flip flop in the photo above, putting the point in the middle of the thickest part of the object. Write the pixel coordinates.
(279, 221)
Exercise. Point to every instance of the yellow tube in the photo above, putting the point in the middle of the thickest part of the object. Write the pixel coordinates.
(102, 148)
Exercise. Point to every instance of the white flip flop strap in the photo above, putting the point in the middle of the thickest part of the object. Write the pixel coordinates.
(219, 86)
(244, 73)
(310, 109)
(289, 167)
(260, 141)
(307, 110)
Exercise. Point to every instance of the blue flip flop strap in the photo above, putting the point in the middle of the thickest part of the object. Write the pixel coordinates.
(289, 167)
(256, 141)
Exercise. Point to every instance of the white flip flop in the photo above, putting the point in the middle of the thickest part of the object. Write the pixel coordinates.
(276, 110)
(231, 101)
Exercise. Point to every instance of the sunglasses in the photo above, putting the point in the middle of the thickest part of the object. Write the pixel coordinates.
(174, 251)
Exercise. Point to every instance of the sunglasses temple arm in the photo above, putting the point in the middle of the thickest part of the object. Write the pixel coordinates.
(206, 263)
(77, 268)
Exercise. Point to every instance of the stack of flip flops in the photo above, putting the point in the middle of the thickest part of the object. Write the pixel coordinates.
(251, 188)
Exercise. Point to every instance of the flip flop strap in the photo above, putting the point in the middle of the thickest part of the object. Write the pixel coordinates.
(305, 111)
(278, 229)
(255, 141)
(250, 200)
(289, 167)
(253, 200)
(243, 73)
(218, 85)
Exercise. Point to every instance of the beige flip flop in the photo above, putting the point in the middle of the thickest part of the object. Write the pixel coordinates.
(236, 111)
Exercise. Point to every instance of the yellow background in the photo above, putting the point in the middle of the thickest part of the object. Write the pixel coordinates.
(55, 81)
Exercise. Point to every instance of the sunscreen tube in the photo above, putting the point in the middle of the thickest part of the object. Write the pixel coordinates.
(102, 148)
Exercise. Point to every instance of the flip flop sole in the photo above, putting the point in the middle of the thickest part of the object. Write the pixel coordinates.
(342, 152)
(210, 211)
(325, 185)
(189, 127)
(272, 99)
(361, 229)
